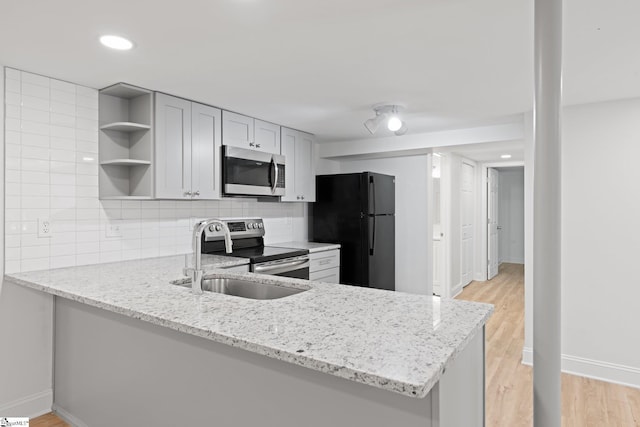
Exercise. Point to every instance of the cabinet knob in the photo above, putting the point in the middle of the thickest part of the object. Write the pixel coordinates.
(297, 197)
(302, 197)
(251, 144)
(257, 145)
(187, 193)
(196, 193)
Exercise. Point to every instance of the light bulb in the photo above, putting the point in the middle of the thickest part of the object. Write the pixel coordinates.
(394, 123)
(116, 42)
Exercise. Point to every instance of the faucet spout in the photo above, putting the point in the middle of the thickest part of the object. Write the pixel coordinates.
(196, 271)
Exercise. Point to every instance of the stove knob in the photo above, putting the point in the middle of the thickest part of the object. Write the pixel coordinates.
(250, 225)
(260, 225)
(218, 227)
(212, 228)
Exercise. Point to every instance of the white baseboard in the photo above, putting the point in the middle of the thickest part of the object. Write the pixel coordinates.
(455, 291)
(68, 417)
(29, 406)
(596, 369)
(512, 261)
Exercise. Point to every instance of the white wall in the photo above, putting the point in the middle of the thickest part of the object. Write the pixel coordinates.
(412, 232)
(511, 215)
(600, 241)
(600, 237)
(25, 331)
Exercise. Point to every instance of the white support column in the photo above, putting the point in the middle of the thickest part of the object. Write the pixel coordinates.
(546, 204)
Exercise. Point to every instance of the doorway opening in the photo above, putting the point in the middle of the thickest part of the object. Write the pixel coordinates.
(505, 217)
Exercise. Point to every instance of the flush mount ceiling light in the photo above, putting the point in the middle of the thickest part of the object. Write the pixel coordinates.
(116, 42)
(505, 156)
(390, 114)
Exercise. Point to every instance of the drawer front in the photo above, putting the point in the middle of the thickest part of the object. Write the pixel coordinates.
(329, 276)
(238, 268)
(324, 260)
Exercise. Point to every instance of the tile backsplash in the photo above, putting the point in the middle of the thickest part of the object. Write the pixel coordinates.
(51, 142)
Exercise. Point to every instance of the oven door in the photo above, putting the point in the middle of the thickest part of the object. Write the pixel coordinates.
(252, 173)
(297, 267)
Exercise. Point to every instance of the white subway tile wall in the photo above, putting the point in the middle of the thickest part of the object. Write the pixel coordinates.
(51, 138)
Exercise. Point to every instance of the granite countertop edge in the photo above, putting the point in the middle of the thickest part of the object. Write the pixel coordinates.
(416, 389)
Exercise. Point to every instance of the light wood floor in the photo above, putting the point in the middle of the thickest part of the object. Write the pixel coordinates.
(585, 402)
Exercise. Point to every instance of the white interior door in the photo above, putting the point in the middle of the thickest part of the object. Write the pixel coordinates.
(492, 222)
(466, 221)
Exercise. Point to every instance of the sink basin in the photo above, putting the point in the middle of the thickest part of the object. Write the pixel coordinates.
(243, 288)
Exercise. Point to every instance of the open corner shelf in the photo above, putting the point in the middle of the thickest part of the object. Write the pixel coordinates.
(125, 126)
(124, 91)
(126, 143)
(125, 162)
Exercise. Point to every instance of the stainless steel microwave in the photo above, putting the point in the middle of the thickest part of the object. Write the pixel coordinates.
(252, 173)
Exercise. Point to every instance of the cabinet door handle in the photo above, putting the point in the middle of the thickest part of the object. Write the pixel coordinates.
(196, 193)
(251, 144)
(297, 197)
(301, 197)
(187, 193)
(257, 145)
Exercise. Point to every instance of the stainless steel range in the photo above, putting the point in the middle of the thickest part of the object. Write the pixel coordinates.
(248, 242)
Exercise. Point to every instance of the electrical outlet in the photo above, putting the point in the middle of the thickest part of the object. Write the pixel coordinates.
(113, 229)
(44, 227)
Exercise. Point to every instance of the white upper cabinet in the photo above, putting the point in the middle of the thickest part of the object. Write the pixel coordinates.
(206, 143)
(187, 149)
(297, 147)
(249, 133)
(237, 130)
(267, 137)
(173, 147)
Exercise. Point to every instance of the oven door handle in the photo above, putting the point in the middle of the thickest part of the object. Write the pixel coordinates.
(282, 267)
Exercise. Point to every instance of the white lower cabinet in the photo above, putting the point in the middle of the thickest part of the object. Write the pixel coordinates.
(325, 266)
(237, 268)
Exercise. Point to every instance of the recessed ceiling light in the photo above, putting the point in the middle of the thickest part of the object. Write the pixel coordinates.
(116, 42)
(505, 156)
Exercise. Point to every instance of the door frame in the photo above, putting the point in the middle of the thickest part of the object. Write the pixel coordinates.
(484, 237)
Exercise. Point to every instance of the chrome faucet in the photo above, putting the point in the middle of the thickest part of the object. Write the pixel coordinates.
(196, 271)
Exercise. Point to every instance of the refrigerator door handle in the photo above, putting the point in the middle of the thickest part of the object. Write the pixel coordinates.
(372, 194)
(373, 237)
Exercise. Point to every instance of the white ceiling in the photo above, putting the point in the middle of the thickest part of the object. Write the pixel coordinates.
(319, 65)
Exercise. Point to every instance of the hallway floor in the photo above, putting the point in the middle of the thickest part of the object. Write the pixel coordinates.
(585, 402)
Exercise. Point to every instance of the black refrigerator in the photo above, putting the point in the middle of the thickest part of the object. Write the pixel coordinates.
(357, 210)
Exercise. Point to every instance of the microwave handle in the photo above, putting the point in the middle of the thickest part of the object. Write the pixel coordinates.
(275, 178)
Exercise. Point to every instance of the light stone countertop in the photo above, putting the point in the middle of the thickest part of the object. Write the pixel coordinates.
(312, 247)
(392, 340)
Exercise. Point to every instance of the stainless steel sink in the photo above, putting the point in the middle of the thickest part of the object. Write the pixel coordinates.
(243, 288)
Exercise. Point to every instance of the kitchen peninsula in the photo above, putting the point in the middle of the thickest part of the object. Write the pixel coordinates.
(133, 349)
